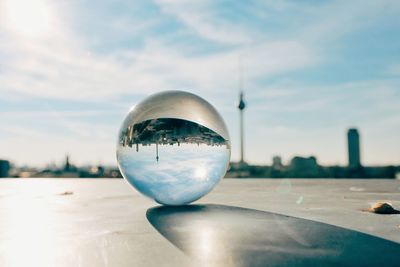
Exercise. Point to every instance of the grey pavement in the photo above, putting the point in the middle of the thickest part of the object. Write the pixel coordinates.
(242, 222)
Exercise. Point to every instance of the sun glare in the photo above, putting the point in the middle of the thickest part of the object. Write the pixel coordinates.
(31, 18)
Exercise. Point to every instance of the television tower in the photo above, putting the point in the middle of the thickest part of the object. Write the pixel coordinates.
(241, 108)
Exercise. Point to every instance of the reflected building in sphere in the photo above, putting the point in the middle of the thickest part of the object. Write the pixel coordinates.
(353, 143)
(169, 131)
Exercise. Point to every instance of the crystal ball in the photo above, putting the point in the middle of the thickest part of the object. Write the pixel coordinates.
(173, 147)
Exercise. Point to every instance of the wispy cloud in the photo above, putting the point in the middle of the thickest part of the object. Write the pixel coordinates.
(394, 70)
(198, 16)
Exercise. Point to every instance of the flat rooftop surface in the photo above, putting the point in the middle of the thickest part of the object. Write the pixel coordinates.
(242, 222)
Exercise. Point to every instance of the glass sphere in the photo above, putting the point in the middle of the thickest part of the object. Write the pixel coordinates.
(173, 147)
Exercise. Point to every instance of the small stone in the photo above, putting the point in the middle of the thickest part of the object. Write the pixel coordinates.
(66, 193)
(357, 189)
(382, 208)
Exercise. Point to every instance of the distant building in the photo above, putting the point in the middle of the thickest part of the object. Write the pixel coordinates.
(353, 142)
(301, 167)
(67, 166)
(4, 168)
(277, 163)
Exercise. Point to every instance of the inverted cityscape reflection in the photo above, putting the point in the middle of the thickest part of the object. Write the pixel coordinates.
(174, 161)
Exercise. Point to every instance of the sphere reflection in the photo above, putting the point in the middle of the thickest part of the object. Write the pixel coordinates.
(173, 147)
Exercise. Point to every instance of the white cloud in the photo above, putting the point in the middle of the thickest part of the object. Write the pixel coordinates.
(62, 65)
(393, 70)
(198, 16)
(74, 73)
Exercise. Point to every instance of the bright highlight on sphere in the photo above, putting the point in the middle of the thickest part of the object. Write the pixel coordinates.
(31, 18)
(173, 147)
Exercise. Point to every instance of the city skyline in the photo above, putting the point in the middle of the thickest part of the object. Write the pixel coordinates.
(311, 71)
(354, 148)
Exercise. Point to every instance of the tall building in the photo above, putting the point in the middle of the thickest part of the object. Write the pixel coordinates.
(4, 168)
(353, 144)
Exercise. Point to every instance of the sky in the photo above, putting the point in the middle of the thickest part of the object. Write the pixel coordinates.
(182, 175)
(70, 71)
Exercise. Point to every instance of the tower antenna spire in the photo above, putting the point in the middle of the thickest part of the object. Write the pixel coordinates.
(240, 75)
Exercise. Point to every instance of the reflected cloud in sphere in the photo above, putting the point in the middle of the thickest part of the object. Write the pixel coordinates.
(173, 147)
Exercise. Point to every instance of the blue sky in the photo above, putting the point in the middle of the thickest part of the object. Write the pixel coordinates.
(167, 180)
(70, 71)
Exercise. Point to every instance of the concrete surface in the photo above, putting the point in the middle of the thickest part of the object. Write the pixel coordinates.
(249, 222)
